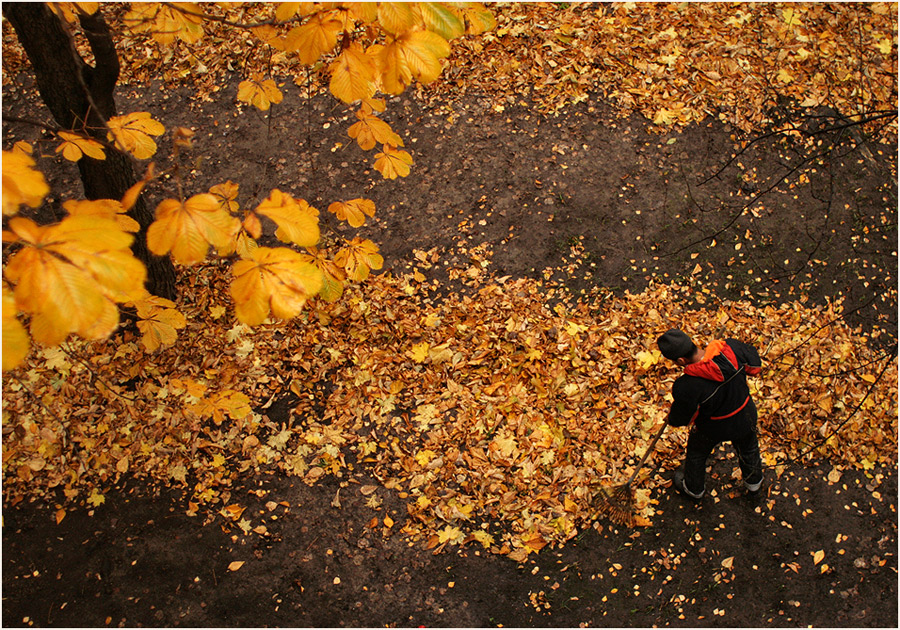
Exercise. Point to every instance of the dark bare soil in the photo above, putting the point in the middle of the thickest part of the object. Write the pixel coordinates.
(531, 188)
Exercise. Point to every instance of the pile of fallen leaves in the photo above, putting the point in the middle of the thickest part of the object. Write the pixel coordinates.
(493, 412)
(678, 63)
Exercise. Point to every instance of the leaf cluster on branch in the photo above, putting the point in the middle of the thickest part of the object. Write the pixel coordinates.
(70, 277)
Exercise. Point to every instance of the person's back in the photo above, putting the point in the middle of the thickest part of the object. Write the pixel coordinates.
(712, 396)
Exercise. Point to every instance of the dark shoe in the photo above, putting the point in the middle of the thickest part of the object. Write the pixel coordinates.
(678, 484)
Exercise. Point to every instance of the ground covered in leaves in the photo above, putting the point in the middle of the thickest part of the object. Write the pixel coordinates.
(425, 451)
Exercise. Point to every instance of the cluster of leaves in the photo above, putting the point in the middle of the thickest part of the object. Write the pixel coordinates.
(683, 63)
(69, 277)
(495, 415)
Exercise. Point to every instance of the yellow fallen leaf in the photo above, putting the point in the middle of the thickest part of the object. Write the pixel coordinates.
(818, 556)
(419, 352)
(728, 562)
(234, 566)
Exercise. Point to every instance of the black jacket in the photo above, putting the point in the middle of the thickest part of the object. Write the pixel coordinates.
(713, 393)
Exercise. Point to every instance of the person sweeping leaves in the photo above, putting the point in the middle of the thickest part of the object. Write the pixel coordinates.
(713, 397)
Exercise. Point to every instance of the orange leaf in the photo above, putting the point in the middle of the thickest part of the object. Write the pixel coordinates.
(22, 184)
(396, 17)
(358, 258)
(132, 133)
(259, 92)
(158, 321)
(226, 194)
(131, 195)
(314, 38)
(74, 147)
(297, 221)
(68, 275)
(277, 280)
(103, 208)
(166, 23)
(353, 75)
(371, 130)
(188, 229)
(392, 163)
(354, 211)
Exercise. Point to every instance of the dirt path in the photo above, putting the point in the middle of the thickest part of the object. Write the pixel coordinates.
(139, 561)
(529, 189)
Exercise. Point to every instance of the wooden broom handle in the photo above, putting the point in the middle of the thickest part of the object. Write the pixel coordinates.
(647, 452)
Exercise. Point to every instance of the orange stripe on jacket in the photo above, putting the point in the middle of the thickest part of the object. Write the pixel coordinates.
(714, 348)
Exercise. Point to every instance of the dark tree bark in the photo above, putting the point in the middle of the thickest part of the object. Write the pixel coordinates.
(81, 98)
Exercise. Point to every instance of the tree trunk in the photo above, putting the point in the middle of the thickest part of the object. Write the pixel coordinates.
(81, 98)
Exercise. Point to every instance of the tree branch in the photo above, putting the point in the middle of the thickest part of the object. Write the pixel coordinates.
(103, 76)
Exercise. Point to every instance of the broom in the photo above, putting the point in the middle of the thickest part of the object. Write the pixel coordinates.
(617, 503)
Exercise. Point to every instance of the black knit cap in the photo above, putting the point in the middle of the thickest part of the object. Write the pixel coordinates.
(674, 344)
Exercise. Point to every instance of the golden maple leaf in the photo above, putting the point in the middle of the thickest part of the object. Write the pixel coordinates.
(188, 229)
(22, 184)
(226, 194)
(74, 147)
(68, 276)
(392, 163)
(259, 92)
(297, 221)
(314, 38)
(646, 359)
(358, 257)
(419, 352)
(272, 280)
(229, 401)
(353, 75)
(354, 211)
(371, 130)
(165, 22)
(132, 133)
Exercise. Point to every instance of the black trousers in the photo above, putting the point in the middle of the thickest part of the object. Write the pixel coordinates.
(740, 430)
